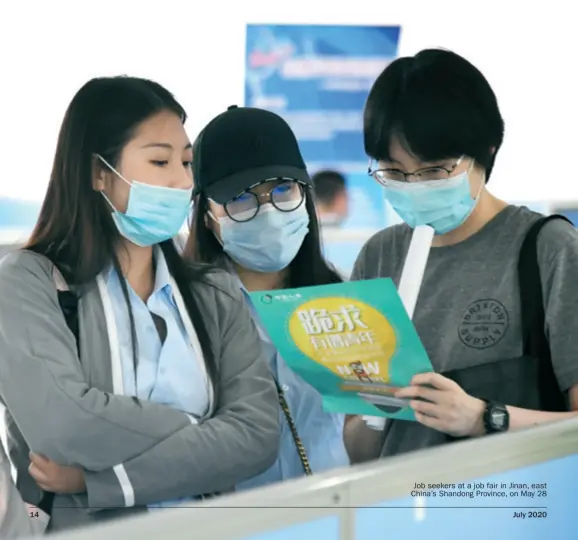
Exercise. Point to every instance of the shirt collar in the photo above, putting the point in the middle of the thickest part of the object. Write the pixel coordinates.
(107, 273)
(231, 270)
(162, 274)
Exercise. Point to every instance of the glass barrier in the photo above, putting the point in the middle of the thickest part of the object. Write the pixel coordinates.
(327, 528)
(516, 486)
(519, 504)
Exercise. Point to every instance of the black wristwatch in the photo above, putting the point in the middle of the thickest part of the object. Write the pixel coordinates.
(496, 418)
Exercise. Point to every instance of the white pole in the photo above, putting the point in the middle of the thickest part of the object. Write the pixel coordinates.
(410, 285)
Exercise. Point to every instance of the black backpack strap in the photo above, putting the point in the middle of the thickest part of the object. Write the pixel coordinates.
(534, 318)
(69, 305)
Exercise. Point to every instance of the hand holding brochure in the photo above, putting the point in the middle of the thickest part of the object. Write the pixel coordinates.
(353, 342)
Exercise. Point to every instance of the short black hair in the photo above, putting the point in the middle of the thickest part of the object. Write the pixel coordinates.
(327, 185)
(438, 105)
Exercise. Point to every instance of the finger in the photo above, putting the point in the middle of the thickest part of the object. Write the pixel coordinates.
(423, 407)
(422, 392)
(39, 460)
(406, 392)
(433, 379)
(37, 474)
(430, 422)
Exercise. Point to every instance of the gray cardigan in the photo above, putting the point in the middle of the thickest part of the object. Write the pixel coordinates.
(133, 454)
(15, 520)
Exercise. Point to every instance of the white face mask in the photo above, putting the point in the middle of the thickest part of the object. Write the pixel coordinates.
(267, 243)
(154, 213)
(444, 205)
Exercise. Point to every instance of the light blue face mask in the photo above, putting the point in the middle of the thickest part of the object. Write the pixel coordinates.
(444, 205)
(267, 243)
(153, 214)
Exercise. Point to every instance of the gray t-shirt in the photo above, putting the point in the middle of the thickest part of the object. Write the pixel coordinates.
(468, 311)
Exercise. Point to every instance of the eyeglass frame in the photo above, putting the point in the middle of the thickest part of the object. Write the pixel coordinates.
(267, 194)
(414, 173)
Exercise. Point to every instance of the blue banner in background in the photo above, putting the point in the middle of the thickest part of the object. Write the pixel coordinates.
(18, 214)
(318, 79)
(568, 210)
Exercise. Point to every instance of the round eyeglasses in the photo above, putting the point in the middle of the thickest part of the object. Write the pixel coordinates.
(286, 196)
(427, 174)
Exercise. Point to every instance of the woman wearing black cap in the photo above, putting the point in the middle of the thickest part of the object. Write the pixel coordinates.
(255, 216)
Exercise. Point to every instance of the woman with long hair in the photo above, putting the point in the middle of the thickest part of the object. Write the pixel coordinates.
(132, 377)
(254, 216)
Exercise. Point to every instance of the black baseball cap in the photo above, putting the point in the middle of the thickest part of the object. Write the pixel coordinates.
(242, 147)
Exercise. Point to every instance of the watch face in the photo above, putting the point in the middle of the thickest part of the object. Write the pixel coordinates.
(498, 419)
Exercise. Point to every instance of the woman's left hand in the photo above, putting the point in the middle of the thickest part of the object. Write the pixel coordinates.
(55, 478)
(447, 407)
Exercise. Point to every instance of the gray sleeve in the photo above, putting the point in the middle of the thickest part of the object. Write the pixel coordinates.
(358, 272)
(42, 384)
(238, 442)
(15, 521)
(383, 254)
(558, 258)
(365, 259)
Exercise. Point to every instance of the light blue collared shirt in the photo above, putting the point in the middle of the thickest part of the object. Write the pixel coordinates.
(168, 372)
(320, 432)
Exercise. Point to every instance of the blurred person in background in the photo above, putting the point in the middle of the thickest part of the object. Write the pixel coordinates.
(133, 378)
(254, 216)
(432, 128)
(332, 204)
(331, 198)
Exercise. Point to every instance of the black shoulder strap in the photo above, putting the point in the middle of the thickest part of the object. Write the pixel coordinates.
(69, 305)
(533, 316)
(67, 300)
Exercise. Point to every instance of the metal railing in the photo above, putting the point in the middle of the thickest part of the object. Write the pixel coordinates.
(338, 495)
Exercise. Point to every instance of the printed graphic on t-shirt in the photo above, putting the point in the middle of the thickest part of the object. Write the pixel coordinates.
(469, 311)
(484, 324)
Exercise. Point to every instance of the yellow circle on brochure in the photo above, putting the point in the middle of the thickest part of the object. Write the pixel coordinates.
(347, 336)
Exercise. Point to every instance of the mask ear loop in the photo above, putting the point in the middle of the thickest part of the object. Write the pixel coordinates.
(476, 199)
(482, 183)
(212, 216)
(118, 174)
(113, 169)
(216, 220)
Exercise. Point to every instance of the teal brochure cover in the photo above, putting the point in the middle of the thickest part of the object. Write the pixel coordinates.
(353, 342)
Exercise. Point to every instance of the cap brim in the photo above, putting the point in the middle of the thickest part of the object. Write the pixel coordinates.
(228, 188)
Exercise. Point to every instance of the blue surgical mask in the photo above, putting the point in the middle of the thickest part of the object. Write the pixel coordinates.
(444, 205)
(267, 243)
(153, 213)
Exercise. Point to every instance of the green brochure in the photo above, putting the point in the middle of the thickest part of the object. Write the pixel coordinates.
(353, 342)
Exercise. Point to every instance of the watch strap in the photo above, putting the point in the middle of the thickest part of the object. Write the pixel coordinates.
(490, 410)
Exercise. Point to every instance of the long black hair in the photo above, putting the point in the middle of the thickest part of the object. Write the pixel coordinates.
(309, 266)
(75, 229)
